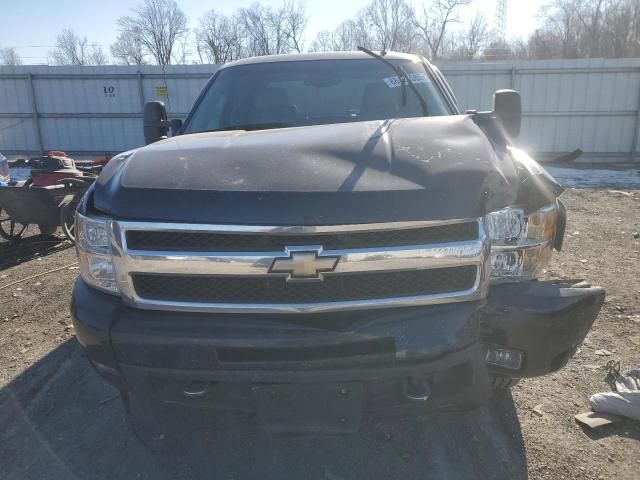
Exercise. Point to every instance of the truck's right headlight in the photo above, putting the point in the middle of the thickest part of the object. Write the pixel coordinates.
(94, 253)
(521, 244)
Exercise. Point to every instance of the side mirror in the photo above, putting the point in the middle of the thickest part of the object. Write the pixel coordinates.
(507, 108)
(155, 122)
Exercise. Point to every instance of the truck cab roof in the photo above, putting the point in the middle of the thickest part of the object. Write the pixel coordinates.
(302, 57)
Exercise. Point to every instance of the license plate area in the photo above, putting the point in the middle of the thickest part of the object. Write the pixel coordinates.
(320, 408)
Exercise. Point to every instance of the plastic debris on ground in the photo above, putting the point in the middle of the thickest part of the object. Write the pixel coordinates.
(595, 420)
(624, 400)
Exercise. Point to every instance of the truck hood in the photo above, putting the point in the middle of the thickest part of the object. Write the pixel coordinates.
(361, 172)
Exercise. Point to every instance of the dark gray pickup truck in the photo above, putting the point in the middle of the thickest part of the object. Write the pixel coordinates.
(326, 235)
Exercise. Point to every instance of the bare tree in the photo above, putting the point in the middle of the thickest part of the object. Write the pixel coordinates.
(256, 30)
(71, 49)
(468, 42)
(240, 46)
(587, 28)
(324, 42)
(128, 48)
(569, 29)
(381, 25)
(557, 37)
(257, 25)
(215, 38)
(182, 51)
(476, 35)
(621, 29)
(295, 22)
(277, 28)
(582, 28)
(347, 36)
(391, 23)
(160, 25)
(353, 33)
(270, 31)
(9, 56)
(433, 21)
(96, 56)
(545, 44)
(518, 49)
(590, 29)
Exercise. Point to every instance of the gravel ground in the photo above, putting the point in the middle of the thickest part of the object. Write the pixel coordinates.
(59, 420)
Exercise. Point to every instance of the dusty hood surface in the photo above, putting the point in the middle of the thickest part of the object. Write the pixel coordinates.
(394, 170)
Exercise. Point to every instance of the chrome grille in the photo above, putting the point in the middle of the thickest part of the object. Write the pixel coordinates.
(368, 286)
(269, 242)
(223, 268)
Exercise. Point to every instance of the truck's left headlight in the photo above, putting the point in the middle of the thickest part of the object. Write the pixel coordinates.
(94, 253)
(521, 243)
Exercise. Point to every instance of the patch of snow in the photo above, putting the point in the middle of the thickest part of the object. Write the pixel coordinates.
(628, 178)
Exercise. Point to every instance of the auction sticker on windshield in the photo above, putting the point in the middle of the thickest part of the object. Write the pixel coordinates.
(394, 81)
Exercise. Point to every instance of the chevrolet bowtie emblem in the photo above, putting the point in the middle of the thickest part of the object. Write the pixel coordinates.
(304, 265)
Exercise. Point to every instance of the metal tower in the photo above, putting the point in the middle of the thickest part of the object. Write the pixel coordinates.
(500, 31)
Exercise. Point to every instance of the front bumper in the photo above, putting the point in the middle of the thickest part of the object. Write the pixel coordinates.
(546, 321)
(216, 359)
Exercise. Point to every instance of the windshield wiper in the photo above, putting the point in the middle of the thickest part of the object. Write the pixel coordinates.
(404, 80)
(251, 126)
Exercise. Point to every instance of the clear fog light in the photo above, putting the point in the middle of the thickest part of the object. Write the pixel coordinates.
(505, 358)
(508, 262)
(101, 267)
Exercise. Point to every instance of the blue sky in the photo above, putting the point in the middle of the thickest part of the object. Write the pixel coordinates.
(31, 25)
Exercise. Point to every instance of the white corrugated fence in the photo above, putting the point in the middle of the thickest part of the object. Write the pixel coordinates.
(591, 104)
(89, 110)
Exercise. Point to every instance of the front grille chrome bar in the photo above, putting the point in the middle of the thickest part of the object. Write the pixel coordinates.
(352, 262)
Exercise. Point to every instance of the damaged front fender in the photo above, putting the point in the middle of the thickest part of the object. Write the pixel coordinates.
(537, 187)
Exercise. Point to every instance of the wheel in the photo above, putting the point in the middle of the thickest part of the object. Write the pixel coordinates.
(9, 228)
(67, 218)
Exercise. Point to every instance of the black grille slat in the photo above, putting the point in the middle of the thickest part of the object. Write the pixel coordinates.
(269, 242)
(334, 288)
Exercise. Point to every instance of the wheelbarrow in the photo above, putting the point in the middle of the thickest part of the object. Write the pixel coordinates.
(48, 207)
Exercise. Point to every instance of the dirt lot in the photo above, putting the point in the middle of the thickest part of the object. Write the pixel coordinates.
(59, 420)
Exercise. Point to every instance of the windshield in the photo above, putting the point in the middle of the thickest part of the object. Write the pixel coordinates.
(288, 94)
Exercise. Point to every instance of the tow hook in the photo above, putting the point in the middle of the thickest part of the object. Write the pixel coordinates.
(416, 389)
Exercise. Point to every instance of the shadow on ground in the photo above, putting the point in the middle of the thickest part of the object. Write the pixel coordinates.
(29, 248)
(59, 420)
